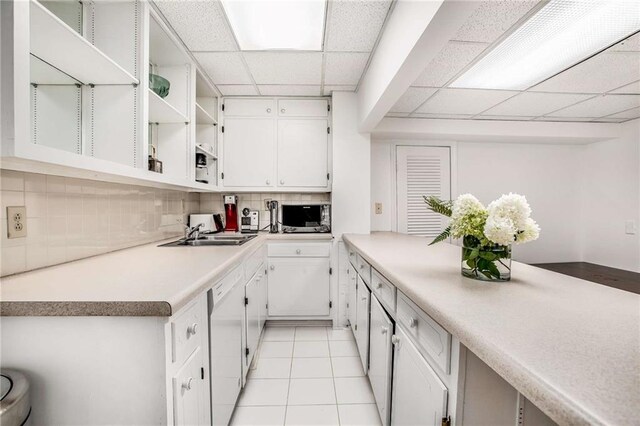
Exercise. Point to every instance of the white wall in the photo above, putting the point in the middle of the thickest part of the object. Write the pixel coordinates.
(548, 175)
(351, 169)
(612, 197)
(381, 191)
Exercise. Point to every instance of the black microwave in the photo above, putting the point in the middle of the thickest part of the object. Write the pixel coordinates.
(306, 218)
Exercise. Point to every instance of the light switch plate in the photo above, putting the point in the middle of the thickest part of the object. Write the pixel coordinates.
(16, 222)
(630, 227)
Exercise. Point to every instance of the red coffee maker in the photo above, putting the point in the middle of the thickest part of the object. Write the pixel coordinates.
(231, 213)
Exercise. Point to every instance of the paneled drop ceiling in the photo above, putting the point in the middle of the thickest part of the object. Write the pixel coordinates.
(604, 88)
(351, 32)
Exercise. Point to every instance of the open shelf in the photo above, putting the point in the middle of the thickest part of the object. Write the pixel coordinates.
(58, 44)
(160, 111)
(206, 152)
(203, 117)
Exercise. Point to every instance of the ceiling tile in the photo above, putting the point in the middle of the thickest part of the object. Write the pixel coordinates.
(535, 104)
(628, 114)
(464, 101)
(329, 89)
(412, 99)
(631, 44)
(200, 24)
(504, 117)
(288, 90)
(442, 116)
(285, 67)
(600, 106)
(354, 25)
(564, 119)
(450, 61)
(224, 67)
(598, 74)
(344, 68)
(492, 18)
(633, 88)
(237, 90)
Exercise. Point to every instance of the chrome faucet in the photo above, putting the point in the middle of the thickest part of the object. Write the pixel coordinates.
(192, 232)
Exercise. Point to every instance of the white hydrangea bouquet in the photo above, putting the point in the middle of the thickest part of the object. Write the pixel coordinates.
(487, 233)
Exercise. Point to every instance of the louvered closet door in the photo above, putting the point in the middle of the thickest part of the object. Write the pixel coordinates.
(421, 170)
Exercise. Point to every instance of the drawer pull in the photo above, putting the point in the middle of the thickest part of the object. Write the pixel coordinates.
(298, 251)
(283, 110)
(413, 323)
(364, 299)
(192, 329)
(272, 267)
(395, 339)
(268, 110)
(281, 181)
(384, 330)
(268, 182)
(361, 266)
(379, 285)
(186, 385)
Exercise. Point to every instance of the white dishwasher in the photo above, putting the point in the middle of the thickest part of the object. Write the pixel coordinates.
(380, 358)
(226, 322)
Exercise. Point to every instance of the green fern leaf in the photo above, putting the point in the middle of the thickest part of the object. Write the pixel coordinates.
(443, 236)
(439, 206)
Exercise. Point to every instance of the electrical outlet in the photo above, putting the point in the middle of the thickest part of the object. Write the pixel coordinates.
(16, 222)
(378, 208)
(630, 227)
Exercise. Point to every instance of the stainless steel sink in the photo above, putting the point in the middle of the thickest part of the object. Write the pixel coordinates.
(212, 240)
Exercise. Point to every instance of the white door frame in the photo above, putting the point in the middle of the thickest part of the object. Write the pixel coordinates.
(453, 170)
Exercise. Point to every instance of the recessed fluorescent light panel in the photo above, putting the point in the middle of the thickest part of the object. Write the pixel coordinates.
(559, 35)
(277, 24)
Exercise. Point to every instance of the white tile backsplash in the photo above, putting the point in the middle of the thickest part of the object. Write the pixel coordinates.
(70, 219)
(213, 203)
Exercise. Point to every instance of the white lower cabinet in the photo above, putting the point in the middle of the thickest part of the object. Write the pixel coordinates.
(189, 392)
(254, 310)
(352, 304)
(299, 286)
(419, 397)
(362, 322)
(380, 358)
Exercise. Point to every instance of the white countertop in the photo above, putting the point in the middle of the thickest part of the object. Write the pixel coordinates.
(570, 346)
(141, 281)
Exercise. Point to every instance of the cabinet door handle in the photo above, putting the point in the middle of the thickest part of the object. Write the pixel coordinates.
(192, 329)
(269, 110)
(281, 181)
(272, 267)
(379, 285)
(239, 381)
(395, 339)
(384, 330)
(186, 385)
(364, 299)
(298, 251)
(282, 110)
(361, 266)
(268, 182)
(413, 323)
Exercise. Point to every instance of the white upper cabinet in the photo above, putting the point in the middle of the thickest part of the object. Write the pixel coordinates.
(303, 108)
(234, 107)
(297, 138)
(303, 153)
(249, 150)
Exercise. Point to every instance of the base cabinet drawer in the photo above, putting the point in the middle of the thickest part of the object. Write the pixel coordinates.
(384, 290)
(299, 250)
(364, 269)
(186, 331)
(419, 397)
(189, 393)
(431, 338)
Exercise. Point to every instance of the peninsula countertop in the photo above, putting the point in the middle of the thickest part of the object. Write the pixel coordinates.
(570, 346)
(146, 280)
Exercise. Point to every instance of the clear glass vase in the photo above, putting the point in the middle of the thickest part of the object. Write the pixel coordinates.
(487, 263)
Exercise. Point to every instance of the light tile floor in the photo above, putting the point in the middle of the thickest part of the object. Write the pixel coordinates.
(307, 376)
